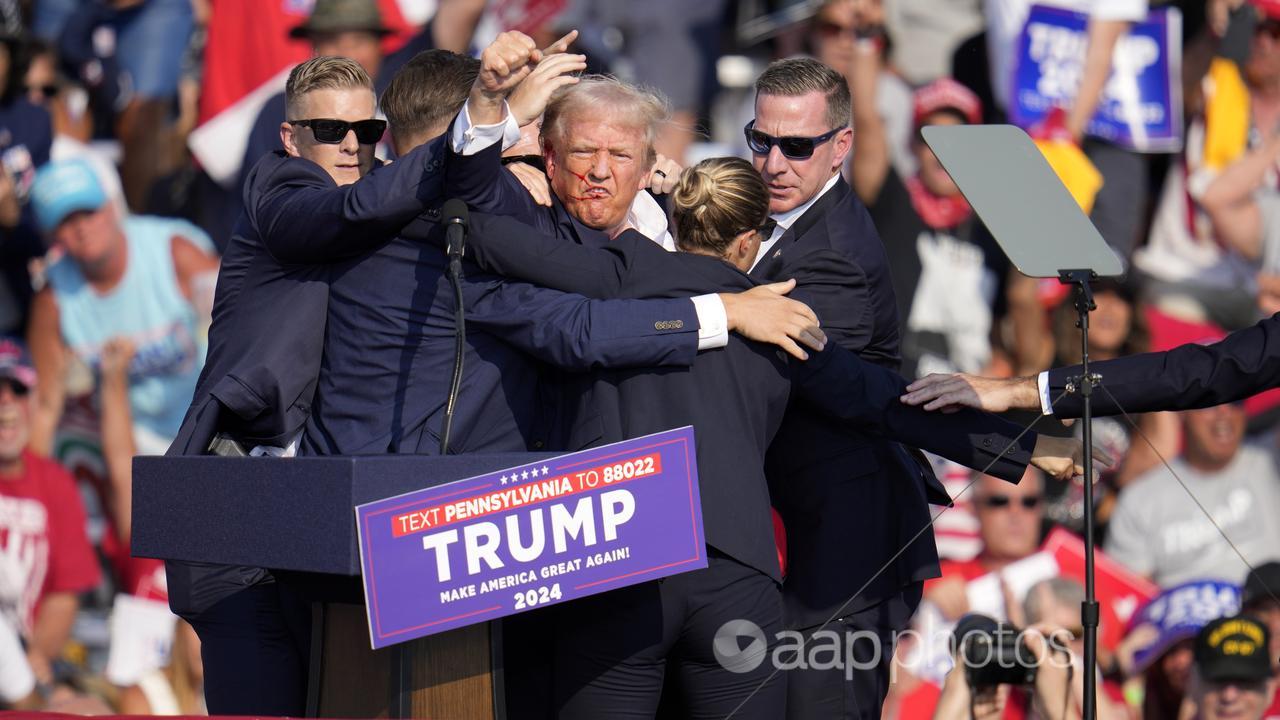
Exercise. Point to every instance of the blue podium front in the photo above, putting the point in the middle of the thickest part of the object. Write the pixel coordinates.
(297, 515)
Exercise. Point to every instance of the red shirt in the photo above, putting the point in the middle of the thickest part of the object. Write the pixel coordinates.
(43, 546)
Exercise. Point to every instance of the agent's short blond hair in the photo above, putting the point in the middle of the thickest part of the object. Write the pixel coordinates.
(327, 72)
(646, 108)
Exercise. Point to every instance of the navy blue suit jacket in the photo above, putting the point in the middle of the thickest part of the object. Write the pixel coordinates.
(269, 312)
(735, 397)
(389, 352)
(851, 502)
(1244, 363)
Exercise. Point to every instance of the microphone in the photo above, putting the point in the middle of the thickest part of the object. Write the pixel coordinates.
(455, 216)
(456, 223)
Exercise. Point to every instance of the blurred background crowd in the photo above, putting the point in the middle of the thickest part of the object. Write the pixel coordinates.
(126, 128)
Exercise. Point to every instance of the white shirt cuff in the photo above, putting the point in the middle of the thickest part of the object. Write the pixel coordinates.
(713, 322)
(1046, 402)
(468, 139)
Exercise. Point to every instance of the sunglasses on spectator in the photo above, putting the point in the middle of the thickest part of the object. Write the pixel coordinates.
(48, 92)
(794, 148)
(19, 389)
(332, 132)
(830, 29)
(1000, 501)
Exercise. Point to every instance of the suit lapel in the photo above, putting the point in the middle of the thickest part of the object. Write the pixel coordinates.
(768, 268)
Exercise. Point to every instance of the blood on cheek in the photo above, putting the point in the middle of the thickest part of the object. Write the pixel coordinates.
(582, 178)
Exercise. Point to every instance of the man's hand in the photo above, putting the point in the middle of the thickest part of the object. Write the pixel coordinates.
(505, 63)
(764, 315)
(664, 175)
(530, 97)
(533, 180)
(116, 356)
(1063, 458)
(949, 392)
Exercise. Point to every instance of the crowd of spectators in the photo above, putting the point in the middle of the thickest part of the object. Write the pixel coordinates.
(110, 228)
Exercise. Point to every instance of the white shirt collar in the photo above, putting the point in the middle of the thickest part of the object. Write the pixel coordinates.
(787, 219)
(647, 217)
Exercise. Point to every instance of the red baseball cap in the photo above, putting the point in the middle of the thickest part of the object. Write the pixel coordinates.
(947, 94)
(1269, 9)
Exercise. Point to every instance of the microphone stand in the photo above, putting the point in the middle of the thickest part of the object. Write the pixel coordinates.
(1084, 384)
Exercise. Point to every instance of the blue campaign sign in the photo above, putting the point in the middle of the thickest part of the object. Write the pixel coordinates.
(1141, 104)
(580, 524)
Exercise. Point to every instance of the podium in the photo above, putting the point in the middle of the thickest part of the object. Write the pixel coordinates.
(296, 517)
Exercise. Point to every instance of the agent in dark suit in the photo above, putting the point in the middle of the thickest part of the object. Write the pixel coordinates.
(611, 651)
(855, 507)
(318, 202)
(1190, 376)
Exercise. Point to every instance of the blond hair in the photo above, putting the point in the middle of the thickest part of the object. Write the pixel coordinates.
(716, 200)
(327, 72)
(645, 108)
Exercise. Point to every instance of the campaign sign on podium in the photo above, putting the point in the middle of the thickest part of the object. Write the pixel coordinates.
(530, 536)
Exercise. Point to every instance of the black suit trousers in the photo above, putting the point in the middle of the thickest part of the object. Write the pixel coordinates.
(612, 652)
(855, 688)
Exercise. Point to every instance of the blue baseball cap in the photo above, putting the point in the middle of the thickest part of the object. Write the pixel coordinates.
(64, 187)
(1179, 613)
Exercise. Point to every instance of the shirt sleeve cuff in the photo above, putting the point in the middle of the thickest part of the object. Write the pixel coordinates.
(1046, 403)
(468, 139)
(713, 322)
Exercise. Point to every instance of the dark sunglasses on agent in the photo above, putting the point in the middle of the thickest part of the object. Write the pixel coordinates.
(794, 148)
(332, 132)
(1028, 502)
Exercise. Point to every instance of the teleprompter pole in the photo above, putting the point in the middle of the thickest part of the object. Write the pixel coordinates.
(1084, 384)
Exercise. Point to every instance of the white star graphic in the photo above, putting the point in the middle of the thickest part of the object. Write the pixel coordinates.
(524, 475)
(503, 479)
(544, 470)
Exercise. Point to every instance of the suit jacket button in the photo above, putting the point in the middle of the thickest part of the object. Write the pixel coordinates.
(677, 324)
(986, 442)
(537, 444)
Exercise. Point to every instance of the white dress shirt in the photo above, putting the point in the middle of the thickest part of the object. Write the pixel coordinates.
(787, 219)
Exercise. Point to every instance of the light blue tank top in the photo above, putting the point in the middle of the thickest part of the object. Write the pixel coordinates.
(147, 306)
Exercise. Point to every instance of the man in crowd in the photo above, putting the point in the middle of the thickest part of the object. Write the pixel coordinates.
(46, 560)
(1009, 518)
(148, 279)
(1261, 599)
(1232, 676)
(1158, 531)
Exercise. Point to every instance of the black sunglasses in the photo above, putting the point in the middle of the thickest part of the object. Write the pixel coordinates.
(368, 132)
(795, 148)
(998, 501)
(48, 92)
(17, 386)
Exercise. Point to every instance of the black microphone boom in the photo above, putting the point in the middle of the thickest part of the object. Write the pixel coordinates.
(456, 223)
